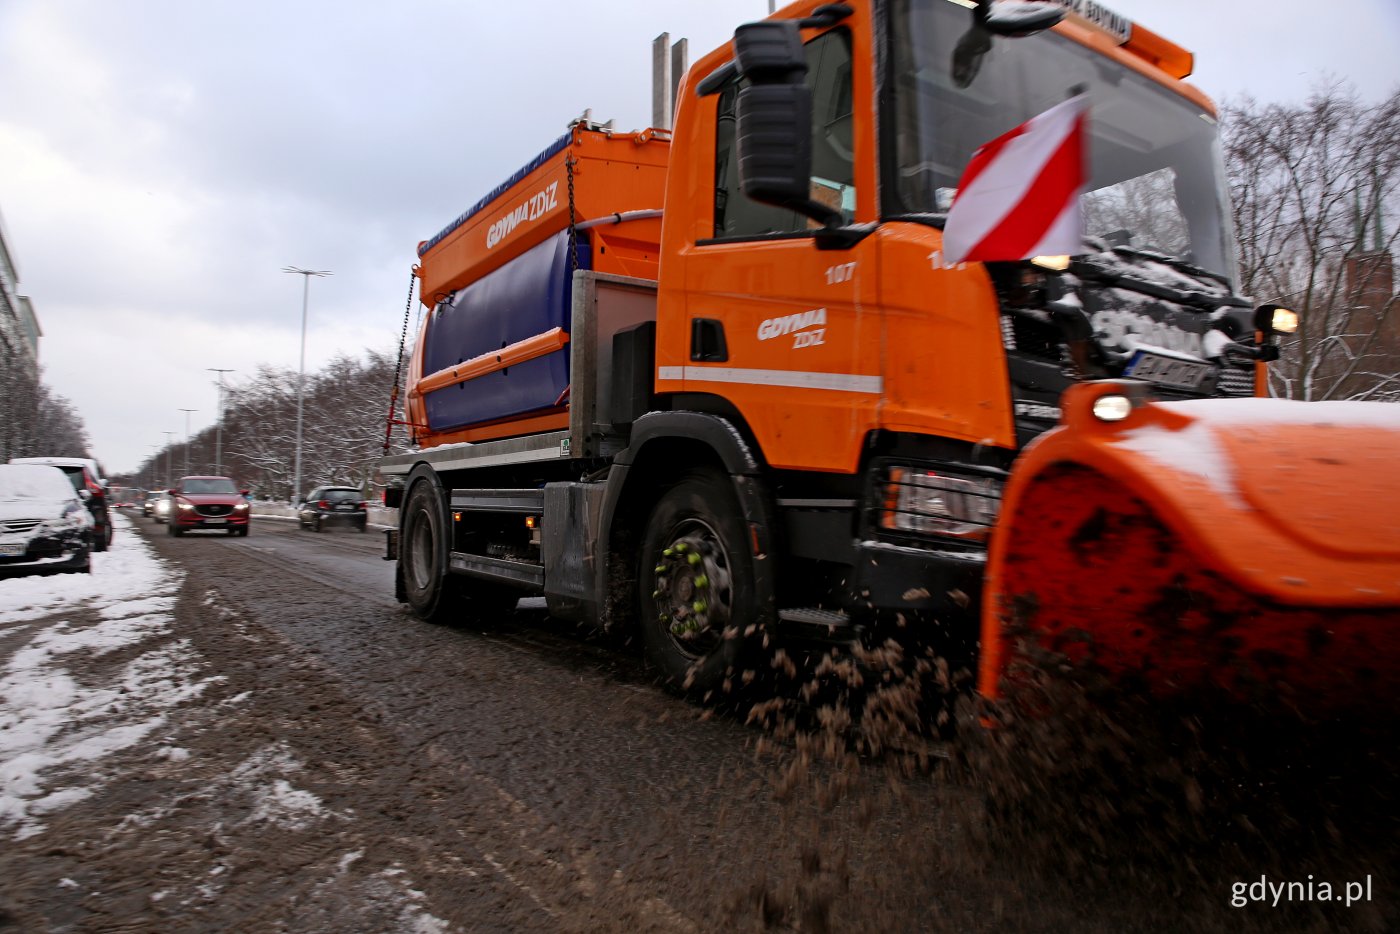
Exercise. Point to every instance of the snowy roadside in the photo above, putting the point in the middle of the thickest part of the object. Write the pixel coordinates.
(143, 778)
(50, 719)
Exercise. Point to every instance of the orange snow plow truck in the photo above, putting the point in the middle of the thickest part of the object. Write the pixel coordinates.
(719, 385)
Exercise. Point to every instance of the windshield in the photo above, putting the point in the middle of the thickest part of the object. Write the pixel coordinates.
(1156, 182)
(208, 485)
(341, 496)
(20, 483)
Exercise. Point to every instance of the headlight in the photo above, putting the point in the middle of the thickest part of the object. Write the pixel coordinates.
(1285, 320)
(1055, 263)
(241, 507)
(1112, 408)
(1275, 319)
(186, 507)
(71, 520)
(922, 500)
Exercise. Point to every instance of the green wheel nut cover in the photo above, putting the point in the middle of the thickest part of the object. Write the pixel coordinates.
(693, 558)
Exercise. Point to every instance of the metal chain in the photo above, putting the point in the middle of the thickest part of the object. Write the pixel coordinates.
(573, 217)
(398, 364)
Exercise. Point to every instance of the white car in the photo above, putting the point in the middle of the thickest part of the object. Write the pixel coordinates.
(160, 507)
(44, 523)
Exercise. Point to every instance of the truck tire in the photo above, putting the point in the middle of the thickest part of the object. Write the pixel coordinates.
(431, 592)
(696, 587)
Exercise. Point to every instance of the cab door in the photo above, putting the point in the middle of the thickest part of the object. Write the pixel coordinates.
(784, 332)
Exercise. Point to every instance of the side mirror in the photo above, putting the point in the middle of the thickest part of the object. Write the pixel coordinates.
(773, 117)
(173, 492)
(990, 18)
(1024, 18)
(85, 495)
(245, 493)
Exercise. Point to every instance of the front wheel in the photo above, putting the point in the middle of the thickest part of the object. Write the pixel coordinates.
(696, 586)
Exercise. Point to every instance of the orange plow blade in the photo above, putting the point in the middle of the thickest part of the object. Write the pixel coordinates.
(1246, 546)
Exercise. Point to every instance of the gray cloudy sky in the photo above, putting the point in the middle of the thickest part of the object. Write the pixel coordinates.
(162, 160)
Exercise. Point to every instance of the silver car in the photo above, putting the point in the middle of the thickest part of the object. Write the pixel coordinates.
(160, 504)
(45, 525)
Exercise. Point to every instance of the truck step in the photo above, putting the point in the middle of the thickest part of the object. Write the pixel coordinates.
(816, 624)
(500, 570)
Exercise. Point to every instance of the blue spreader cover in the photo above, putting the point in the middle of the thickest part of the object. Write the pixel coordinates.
(528, 296)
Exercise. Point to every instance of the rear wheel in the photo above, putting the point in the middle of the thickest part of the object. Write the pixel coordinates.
(431, 592)
(102, 537)
(696, 586)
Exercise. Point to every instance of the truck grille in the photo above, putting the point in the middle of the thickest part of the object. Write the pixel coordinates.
(1235, 383)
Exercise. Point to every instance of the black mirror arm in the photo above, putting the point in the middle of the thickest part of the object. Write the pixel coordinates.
(838, 237)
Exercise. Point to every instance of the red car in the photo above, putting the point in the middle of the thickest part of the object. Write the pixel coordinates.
(208, 503)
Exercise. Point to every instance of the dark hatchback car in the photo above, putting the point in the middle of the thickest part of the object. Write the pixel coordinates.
(333, 505)
(44, 526)
(85, 474)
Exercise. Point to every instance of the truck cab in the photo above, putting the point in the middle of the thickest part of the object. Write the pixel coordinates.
(886, 389)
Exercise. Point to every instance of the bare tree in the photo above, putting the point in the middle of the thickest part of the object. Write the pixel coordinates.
(1314, 188)
(345, 407)
(35, 421)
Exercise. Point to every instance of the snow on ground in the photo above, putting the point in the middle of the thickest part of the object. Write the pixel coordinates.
(92, 665)
(54, 724)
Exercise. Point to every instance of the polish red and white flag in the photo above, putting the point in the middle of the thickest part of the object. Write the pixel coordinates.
(1019, 195)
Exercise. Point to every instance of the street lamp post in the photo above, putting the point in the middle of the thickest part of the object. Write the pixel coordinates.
(306, 275)
(187, 439)
(169, 480)
(219, 424)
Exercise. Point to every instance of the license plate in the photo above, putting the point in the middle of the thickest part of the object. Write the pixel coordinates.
(215, 521)
(1168, 371)
(11, 551)
(345, 508)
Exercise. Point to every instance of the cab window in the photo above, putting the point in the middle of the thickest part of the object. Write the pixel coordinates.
(833, 150)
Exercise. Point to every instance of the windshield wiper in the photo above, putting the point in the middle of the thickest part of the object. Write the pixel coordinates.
(1191, 269)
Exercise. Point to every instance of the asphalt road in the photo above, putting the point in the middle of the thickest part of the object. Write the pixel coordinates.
(529, 776)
